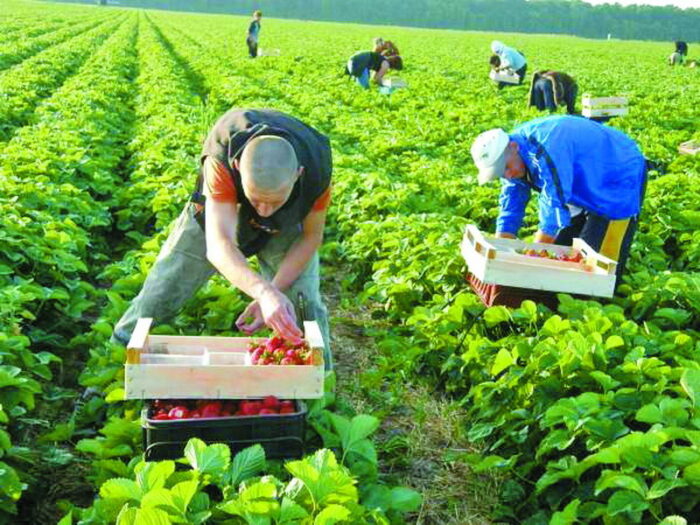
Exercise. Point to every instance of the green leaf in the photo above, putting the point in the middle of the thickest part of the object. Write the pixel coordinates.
(208, 459)
(496, 315)
(183, 493)
(127, 515)
(403, 499)
(159, 498)
(118, 394)
(332, 514)
(246, 464)
(325, 480)
(151, 517)
(503, 360)
(67, 519)
(691, 474)
(626, 502)
(690, 381)
(61, 432)
(121, 488)
(566, 516)
(614, 341)
(354, 431)
(613, 479)
(663, 486)
(649, 414)
(150, 475)
(290, 511)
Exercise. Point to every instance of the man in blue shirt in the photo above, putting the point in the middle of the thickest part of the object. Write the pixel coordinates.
(590, 179)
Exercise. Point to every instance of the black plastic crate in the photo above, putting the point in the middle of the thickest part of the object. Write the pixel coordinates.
(281, 435)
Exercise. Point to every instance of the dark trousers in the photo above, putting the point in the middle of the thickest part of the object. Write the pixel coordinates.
(543, 95)
(252, 47)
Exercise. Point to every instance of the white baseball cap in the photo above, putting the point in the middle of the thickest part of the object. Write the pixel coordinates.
(489, 154)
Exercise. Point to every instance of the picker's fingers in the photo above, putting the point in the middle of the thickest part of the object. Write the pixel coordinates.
(251, 320)
(278, 312)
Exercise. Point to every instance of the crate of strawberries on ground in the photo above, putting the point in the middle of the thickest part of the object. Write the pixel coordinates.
(279, 425)
(508, 271)
(234, 390)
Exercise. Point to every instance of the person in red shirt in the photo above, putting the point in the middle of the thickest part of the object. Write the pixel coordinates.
(263, 189)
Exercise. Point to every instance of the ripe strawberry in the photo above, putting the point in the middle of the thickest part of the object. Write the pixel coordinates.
(287, 410)
(270, 402)
(288, 361)
(195, 414)
(211, 409)
(293, 353)
(178, 412)
(287, 404)
(267, 411)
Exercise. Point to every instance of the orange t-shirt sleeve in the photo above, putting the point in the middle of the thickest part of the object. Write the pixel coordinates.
(323, 201)
(219, 182)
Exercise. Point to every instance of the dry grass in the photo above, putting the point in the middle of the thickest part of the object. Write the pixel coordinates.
(420, 429)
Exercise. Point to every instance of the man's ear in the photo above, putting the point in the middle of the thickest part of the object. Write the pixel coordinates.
(237, 165)
(300, 172)
(513, 145)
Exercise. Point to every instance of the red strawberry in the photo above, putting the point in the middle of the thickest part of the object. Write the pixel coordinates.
(211, 409)
(195, 414)
(270, 402)
(288, 361)
(287, 404)
(287, 410)
(178, 412)
(267, 411)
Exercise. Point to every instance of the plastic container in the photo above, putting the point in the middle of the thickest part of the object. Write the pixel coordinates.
(496, 294)
(281, 435)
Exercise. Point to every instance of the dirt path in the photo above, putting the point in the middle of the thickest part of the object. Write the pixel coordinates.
(419, 428)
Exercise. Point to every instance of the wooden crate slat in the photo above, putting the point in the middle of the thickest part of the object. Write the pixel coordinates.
(222, 382)
(501, 265)
(190, 367)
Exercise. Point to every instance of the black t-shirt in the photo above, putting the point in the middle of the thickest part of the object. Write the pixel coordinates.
(225, 143)
(365, 60)
(681, 47)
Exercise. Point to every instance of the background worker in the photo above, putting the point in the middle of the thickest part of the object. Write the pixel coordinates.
(550, 89)
(263, 190)
(360, 64)
(590, 179)
(254, 34)
(682, 49)
(387, 49)
(505, 58)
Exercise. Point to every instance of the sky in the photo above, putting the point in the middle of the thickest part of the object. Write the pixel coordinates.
(677, 3)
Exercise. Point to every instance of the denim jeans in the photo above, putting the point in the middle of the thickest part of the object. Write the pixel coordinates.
(363, 79)
(182, 268)
(544, 95)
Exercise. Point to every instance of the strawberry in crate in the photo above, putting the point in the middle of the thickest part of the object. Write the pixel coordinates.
(278, 351)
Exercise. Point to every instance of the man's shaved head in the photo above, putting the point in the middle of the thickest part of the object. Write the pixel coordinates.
(268, 164)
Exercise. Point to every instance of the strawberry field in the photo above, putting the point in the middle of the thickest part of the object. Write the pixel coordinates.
(443, 411)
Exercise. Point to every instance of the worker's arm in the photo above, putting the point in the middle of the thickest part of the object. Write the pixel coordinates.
(293, 264)
(514, 197)
(223, 253)
(379, 75)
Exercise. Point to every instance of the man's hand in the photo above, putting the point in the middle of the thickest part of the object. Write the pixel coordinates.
(542, 237)
(252, 311)
(278, 313)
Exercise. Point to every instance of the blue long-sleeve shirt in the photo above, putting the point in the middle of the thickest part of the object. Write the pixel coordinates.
(572, 160)
(509, 56)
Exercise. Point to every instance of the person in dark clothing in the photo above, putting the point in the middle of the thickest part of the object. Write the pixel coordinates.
(254, 34)
(360, 64)
(682, 48)
(551, 89)
(263, 189)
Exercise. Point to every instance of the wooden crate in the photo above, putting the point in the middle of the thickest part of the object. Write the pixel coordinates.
(690, 147)
(507, 76)
(604, 106)
(187, 367)
(495, 261)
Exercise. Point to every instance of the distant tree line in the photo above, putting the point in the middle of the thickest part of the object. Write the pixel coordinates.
(531, 16)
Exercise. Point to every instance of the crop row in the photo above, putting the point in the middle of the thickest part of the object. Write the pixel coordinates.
(25, 85)
(48, 227)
